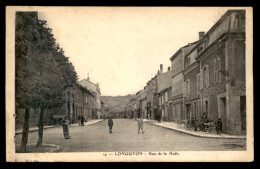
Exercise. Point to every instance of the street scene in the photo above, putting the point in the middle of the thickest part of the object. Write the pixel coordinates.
(130, 79)
(125, 137)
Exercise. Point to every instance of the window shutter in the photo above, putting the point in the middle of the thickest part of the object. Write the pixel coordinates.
(215, 70)
(219, 68)
(189, 86)
(198, 83)
(184, 89)
(207, 75)
(201, 79)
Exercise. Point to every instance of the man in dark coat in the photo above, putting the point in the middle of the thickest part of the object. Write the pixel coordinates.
(82, 120)
(110, 124)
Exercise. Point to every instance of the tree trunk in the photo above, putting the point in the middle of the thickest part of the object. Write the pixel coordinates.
(25, 130)
(40, 131)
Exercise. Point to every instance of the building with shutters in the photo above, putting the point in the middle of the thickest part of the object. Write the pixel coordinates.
(221, 57)
(164, 81)
(191, 87)
(176, 99)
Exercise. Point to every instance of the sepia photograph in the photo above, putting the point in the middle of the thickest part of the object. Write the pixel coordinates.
(129, 84)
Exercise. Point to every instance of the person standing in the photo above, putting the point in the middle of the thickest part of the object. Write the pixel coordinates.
(110, 124)
(140, 124)
(65, 124)
(82, 120)
(79, 119)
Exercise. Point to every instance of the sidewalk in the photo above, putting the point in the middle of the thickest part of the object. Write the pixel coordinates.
(31, 129)
(213, 134)
(89, 122)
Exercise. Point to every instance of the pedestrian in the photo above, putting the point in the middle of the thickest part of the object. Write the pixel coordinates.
(110, 124)
(203, 120)
(159, 116)
(65, 124)
(79, 119)
(140, 124)
(82, 120)
(219, 126)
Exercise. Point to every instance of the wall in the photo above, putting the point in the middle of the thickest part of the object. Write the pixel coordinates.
(177, 85)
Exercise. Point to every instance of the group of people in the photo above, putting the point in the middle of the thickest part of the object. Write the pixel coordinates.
(139, 124)
(204, 119)
(81, 120)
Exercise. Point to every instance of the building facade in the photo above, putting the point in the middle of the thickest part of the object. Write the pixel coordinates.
(221, 55)
(191, 94)
(176, 99)
(94, 88)
(164, 91)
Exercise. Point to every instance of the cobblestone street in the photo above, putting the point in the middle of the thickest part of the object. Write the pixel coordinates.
(96, 138)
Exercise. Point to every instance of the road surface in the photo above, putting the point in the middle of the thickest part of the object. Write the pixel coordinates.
(96, 138)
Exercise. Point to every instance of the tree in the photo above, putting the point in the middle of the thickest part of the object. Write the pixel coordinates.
(43, 73)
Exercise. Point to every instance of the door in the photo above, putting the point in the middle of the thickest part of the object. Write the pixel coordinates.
(223, 114)
(188, 111)
(243, 112)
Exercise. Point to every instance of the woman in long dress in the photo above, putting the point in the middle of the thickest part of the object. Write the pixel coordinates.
(65, 124)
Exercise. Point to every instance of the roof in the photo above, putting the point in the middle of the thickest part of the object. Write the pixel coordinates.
(186, 49)
(164, 81)
(91, 86)
(214, 27)
(84, 89)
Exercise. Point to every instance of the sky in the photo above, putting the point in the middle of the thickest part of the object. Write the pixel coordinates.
(122, 48)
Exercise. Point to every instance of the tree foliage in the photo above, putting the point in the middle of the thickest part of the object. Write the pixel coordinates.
(43, 73)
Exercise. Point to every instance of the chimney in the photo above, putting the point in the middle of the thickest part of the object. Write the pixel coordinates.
(161, 68)
(201, 34)
(169, 69)
(88, 76)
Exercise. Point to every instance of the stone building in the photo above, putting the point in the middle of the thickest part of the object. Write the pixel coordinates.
(79, 102)
(104, 110)
(164, 81)
(221, 56)
(143, 102)
(191, 92)
(177, 64)
(94, 88)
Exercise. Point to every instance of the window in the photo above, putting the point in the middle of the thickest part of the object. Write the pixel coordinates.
(240, 21)
(195, 110)
(198, 83)
(166, 96)
(187, 61)
(187, 87)
(217, 74)
(206, 75)
(160, 101)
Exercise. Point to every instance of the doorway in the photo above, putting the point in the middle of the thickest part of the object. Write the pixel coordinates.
(188, 107)
(243, 112)
(223, 114)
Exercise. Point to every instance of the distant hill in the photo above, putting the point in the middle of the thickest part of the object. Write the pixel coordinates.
(116, 103)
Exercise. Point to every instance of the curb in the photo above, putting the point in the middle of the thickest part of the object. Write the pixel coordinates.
(32, 130)
(203, 136)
